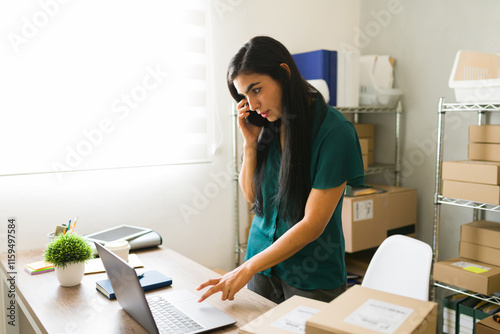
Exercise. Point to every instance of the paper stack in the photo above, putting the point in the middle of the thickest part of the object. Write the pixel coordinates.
(39, 267)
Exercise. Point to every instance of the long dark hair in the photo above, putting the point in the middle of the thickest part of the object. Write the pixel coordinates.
(264, 55)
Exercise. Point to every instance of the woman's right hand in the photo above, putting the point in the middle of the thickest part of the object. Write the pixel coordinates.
(249, 131)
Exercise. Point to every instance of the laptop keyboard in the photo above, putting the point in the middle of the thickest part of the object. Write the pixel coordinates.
(169, 319)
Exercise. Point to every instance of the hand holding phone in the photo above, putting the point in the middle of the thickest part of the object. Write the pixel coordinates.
(253, 118)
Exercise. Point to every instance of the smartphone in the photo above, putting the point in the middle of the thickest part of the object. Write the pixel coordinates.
(254, 118)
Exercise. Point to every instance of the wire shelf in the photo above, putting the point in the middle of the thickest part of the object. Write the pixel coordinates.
(491, 299)
(368, 110)
(473, 107)
(380, 169)
(468, 204)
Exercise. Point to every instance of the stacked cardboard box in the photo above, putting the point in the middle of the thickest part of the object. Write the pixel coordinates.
(359, 310)
(479, 241)
(484, 142)
(366, 133)
(478, 267)
(476, 179)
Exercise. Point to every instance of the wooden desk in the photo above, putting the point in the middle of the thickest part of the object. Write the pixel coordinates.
(51, 308)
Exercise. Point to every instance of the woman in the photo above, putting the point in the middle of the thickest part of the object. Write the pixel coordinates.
(294, 172)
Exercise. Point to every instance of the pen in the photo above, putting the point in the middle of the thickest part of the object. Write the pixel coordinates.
(140, 276)
(74, 224)
(69, 225)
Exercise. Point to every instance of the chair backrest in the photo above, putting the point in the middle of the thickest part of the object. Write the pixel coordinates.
(401, 265)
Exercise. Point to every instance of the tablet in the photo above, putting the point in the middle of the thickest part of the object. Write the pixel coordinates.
(122, 232)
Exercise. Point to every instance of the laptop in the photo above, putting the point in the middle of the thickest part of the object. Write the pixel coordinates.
(176, 311)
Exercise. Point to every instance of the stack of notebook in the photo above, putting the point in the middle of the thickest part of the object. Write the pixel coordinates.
(149, 280)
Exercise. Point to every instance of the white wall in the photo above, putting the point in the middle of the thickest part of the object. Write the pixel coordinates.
(424, 37)
(156, 196)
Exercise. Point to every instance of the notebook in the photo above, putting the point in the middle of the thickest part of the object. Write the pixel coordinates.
(150, 280)
(173, 312)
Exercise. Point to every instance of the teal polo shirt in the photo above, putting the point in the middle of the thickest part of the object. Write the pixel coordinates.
(336, 158)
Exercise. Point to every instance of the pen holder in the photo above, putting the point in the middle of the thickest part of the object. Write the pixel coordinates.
(120, 248)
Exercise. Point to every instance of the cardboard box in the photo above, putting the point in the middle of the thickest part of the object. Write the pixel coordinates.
(363, 143)
(366, 135)
(481, 232)
(479, 241)
(476, 192)
(468, 274)
(363, 310)
(368, 220)
(294, 311)
(365, 129)
(487, 172)
(371, 143)
(484, 134)
(480, 253)
(487, 326)
(486, 152)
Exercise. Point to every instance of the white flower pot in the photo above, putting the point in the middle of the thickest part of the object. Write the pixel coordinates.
(71, 275)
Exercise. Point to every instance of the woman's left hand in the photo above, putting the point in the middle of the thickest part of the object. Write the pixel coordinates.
(229, 284)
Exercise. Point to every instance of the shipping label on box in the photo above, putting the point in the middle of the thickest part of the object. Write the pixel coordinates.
(379, 316)
(362, 210)
(361, 310)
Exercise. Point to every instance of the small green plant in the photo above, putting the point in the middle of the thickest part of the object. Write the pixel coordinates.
(68, 248)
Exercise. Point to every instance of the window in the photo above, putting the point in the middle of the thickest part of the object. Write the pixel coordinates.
(103, 84)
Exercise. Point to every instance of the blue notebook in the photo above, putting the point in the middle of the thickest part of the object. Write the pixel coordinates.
(151, 280)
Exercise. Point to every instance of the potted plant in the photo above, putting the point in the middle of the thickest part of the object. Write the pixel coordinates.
(68, 253)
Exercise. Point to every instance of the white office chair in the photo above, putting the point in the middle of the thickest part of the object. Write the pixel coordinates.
(401, 265)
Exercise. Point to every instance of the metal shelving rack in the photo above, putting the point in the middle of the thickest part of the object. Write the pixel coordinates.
(478, 208)
(397, 111)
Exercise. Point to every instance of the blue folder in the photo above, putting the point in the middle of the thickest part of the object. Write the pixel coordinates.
(319, 64)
